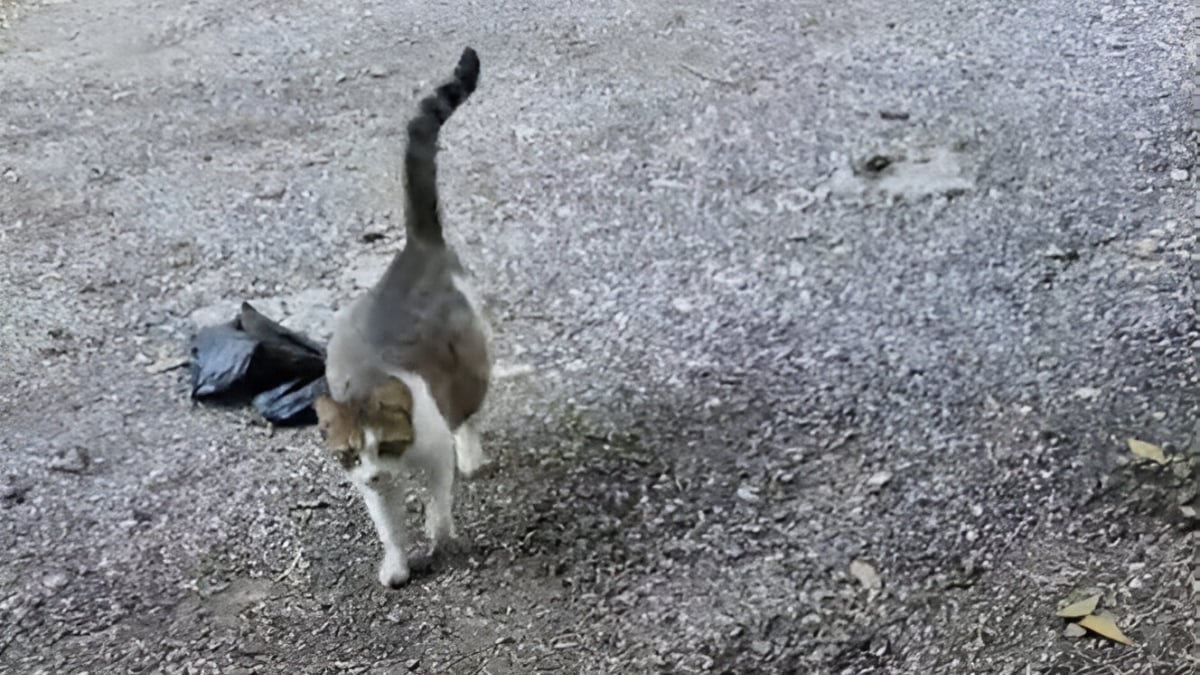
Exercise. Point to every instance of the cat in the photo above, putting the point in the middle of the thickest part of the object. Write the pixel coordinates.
(409, 363)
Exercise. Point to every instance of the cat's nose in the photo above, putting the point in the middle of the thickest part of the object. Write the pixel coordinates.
(375, 479)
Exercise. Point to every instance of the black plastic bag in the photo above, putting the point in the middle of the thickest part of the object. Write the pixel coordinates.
(253, 359)
(291, 402)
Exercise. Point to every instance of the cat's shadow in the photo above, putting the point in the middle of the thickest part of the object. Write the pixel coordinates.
(424, 563)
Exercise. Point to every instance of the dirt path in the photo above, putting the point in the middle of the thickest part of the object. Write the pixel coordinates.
(802, 284)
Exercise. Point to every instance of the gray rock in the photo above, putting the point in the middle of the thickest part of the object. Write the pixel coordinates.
(70, 460)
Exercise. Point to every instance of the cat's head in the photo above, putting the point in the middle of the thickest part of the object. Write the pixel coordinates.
(379, 423)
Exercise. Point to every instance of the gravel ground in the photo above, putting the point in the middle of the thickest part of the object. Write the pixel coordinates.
(826, 324)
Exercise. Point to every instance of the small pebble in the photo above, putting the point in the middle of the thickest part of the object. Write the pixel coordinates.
(272, 191)
(748, 494)
(71, 460)
(879, 479)
(55, 580)
(682, 305)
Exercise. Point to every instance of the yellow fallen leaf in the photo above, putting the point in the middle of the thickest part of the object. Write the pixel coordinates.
(1103, 625)
(1146, 450)
(1079, 609)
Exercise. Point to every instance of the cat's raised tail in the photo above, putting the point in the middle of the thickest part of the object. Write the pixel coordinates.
(423, 218)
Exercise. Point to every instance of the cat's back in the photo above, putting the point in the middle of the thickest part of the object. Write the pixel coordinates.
(419, 307)
(419, 274)
(422, 317)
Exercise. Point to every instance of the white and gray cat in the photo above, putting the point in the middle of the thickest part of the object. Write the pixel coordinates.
(408, 365)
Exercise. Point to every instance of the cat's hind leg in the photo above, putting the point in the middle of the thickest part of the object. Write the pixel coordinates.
(439, 516)
(468, 451)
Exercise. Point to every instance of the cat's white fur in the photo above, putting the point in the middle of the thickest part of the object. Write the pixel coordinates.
(377, 478)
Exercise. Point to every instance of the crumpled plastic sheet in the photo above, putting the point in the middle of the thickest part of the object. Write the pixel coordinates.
(254, 359)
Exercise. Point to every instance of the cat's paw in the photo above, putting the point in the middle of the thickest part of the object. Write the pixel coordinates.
(393, 571)
(470, 465)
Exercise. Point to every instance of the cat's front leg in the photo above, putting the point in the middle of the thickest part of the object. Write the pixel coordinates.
(385, 503)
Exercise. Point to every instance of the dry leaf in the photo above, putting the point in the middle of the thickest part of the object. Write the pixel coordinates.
(1146, 450)
(866, 575)
(1079, 609)
(1105, 626)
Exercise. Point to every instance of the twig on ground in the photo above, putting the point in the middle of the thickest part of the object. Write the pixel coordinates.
(463, 657)
(705, 76)
(290, 568)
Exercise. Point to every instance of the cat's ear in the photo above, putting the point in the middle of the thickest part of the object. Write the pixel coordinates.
(392, 403)
(327, 410)
(333, 421)
(324, 405)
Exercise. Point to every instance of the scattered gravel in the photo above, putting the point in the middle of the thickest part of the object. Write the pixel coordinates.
(830, 321)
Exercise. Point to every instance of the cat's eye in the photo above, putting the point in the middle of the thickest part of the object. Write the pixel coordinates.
(346, 458)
